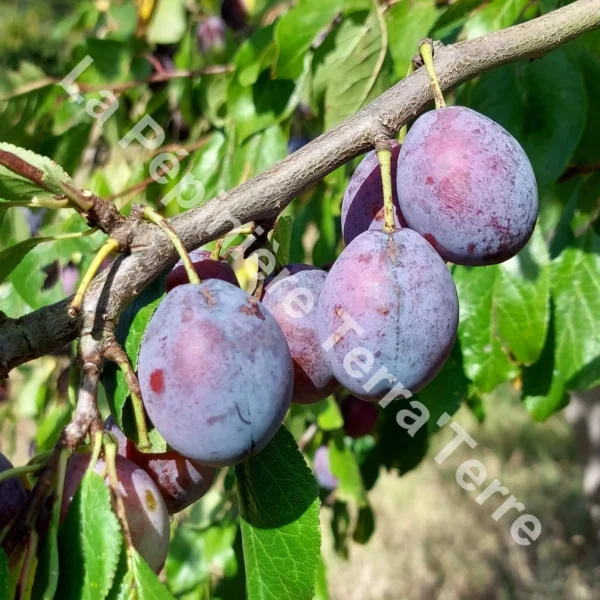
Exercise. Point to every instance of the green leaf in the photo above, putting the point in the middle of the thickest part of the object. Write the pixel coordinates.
(11, 258)
(408, 22)
(14, 187)
(279, 507)
(522, 296)
(365, 525)
(353, 67)
(344, 468)
(485, 361)
(194, 555)
(575, 290)
(447, 391)
(329, 416)
(89, 542)
(140, 582)
(168, 22)
(283, 236)
(255, 55)
(453, 17)
(296, 31)
(130, 333)
(321, 588)
(542, 103)
(4, 592)
(498, 14)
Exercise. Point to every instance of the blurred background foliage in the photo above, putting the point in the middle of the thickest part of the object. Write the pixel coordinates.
(240, 84)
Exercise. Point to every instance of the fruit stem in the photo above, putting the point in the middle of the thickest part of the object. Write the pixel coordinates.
(404, 130)
(154, 217)
(18, 471)
(216, 253)
(28, 570)
(116, 354)
(385, 162)
(108, 248)
(426, 51)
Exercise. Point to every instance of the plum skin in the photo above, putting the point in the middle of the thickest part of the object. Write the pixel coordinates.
(467, 186)
(292, 298)
(146, 512)
(181, 482)
(12, 494)
(206, 267)
(362, 206)
(215, 372)
(322, 469)
(403, 302)
(360, 417)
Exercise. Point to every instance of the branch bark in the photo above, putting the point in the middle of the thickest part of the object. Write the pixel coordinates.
(267, 194)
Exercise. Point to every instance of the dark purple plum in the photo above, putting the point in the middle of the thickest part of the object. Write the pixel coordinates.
(206, 267)
(215, 372)
(360, 417)
(12, 494)
(181, 482)
(292, 299)
(211, 35)
(388, 313)
(467, 186)
(322, 470)
(235, 13)
(146, 512)
(362, 207)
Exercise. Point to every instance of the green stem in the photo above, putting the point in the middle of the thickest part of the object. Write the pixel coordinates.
(96, 448)
(154, 217)
(216, 253)
(29, 567)
(106, 250)
(138, 407)
(385, 162)
(404, 130)
(426, 50)
(18, 471)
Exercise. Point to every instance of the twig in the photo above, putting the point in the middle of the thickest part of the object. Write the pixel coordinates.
(308, 436)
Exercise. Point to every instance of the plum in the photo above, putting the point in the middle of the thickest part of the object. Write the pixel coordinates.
(12, 494)
(362, 207)
(292, 299)
(206, 267)
(322, 470)
(466, 185)
(146, 512)
(360, 417)
(181, 482)
(211, 35)
(215, 372)
(387, 314)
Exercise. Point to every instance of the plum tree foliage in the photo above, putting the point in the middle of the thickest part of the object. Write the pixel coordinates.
(239, 389)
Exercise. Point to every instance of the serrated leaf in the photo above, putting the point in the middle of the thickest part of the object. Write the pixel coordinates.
(321, 588)
(542, 103)
(485, 361)
(140, 582)
(408, 22)
(353, 71)
(344, 468)
(279, 507)
(90, 542)
(522, 300)
(576, 293)
(296, 31)
(14, 187)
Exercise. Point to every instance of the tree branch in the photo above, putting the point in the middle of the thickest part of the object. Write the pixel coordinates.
(267, 194)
